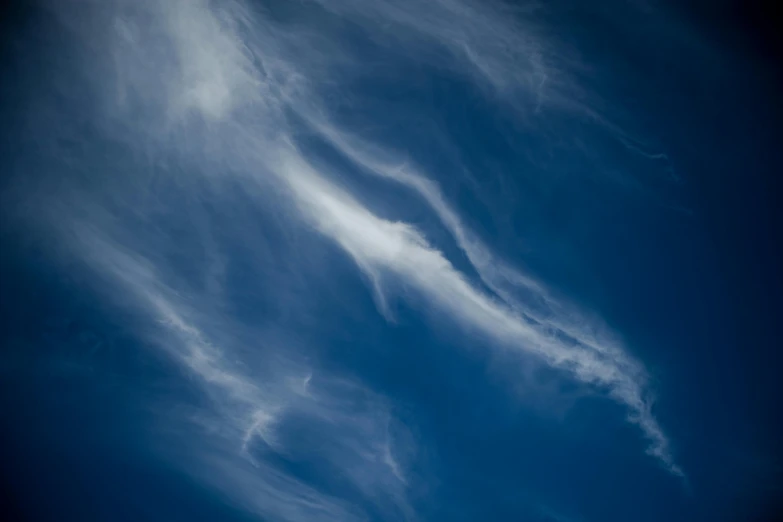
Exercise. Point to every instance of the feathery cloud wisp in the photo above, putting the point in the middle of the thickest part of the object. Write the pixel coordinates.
(229, 94)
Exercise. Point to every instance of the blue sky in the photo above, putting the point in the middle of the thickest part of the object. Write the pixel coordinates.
(370, 260)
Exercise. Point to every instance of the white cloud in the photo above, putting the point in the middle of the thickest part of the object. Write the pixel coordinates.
(252, 406)
(219, 91)
(399, 248)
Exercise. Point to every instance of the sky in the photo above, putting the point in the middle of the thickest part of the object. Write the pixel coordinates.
(375, 260)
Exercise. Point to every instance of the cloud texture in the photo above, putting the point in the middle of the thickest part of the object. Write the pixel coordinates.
(242, 114)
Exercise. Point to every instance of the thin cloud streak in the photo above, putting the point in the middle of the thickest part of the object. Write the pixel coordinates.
(500, 48)
(246, 414)
(400, 248)
(546, 313)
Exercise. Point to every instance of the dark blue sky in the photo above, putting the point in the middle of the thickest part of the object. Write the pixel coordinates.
(372, 260)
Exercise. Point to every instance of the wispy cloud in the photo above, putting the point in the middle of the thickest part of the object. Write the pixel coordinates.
(252, 406)
(397, 247)
(219, 101)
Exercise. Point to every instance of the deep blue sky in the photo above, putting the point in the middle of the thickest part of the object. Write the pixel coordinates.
(437, 261)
